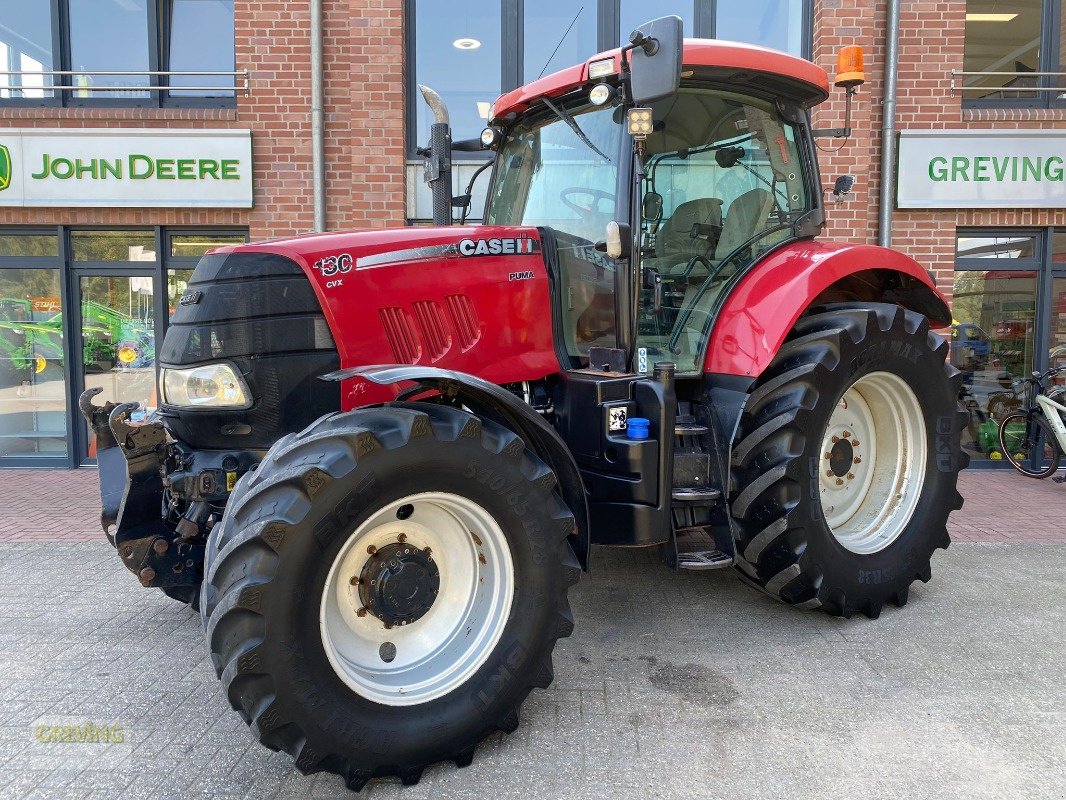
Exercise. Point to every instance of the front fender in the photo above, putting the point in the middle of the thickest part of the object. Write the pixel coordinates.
(489, 400)
(761, 310)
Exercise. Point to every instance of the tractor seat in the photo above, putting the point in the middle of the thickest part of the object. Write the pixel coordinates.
(675, 243)
(747, 214)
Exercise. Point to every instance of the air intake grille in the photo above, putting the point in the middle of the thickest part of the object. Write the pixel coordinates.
(464, 320)
(402, 338)
(434, 328)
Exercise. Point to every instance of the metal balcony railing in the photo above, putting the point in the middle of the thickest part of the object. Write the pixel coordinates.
(967, 86)
(157, 81)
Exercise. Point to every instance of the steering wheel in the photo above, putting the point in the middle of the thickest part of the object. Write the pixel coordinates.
(596, 195)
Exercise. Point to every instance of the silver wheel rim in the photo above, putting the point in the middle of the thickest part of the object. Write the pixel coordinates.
(438, 652)
(877, 431)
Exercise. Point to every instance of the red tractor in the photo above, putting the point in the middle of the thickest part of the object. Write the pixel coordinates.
(381, 457)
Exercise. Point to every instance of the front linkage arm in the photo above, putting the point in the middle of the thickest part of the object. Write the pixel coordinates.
(130, 458)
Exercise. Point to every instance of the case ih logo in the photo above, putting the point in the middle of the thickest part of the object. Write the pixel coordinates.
(494, 247)
(5, 167)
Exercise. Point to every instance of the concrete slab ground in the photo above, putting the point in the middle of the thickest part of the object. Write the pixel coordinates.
(673, 685)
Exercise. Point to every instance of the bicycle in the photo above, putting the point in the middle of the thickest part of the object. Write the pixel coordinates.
(1036, 435)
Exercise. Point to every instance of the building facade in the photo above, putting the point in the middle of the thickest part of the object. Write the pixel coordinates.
(136, 134)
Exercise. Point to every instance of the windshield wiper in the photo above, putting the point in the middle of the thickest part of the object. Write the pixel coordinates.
(580, 134)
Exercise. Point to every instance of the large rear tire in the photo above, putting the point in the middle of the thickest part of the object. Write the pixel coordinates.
(386, 589)
(847, 460)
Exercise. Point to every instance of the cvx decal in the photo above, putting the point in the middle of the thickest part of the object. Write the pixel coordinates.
(334, 265)
(520, 246)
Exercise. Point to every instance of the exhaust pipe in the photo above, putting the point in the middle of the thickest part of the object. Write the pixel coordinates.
(438, 163)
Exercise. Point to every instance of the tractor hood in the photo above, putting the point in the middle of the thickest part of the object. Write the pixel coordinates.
(469, 298)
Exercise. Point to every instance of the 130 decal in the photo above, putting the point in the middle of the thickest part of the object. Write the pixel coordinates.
(334, 265)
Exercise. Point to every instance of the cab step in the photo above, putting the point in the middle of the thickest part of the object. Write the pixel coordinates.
(696, 549)
(682, 428)
(704, 559)
(696, 494)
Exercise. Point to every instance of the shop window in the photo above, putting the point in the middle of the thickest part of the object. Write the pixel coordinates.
(573, 42)
(778, 24)
(144, 41)
(33, 405)
(177, 283)
(29, 245)
(195, 245)
(458, 54)
(633, 13)
(200, 39)
(1009, 246)
(26, 48)
(112, 246)
(471, 52)
(109, 37)
(1007, 46)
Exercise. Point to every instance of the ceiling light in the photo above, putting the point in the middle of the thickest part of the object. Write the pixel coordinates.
(466, 43)
(990, 17)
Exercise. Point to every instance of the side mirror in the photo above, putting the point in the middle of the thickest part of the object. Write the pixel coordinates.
(652, 208)
(616, 242)
(655, 59)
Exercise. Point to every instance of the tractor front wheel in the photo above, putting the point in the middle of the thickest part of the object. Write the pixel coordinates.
(386, 589)
(847, 460)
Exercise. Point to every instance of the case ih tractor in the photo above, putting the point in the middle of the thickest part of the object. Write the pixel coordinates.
(380, 457)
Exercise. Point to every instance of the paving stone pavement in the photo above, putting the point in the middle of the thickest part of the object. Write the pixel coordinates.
(1001, 506)
(673, 686)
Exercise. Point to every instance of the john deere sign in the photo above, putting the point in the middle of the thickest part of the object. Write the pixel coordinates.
(982, 169)
(96, 167)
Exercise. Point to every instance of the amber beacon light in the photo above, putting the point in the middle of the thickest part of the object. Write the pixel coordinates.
(849, 67)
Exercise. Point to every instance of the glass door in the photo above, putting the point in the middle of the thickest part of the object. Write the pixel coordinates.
(1057, 349)
(118, 345)
(994, 332)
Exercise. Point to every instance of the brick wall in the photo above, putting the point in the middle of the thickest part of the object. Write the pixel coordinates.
(364, 88)
(931, 46)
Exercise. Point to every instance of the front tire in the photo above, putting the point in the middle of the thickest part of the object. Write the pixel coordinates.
(386, 589)
(847, 460)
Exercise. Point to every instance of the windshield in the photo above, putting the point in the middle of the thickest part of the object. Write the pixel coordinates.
(548, 177)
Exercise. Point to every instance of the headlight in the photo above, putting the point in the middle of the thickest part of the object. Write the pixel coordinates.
(211, 386)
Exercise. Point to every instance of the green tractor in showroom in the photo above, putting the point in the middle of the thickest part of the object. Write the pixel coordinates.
(381, 457)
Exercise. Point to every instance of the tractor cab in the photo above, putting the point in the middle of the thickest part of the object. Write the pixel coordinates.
(724, 173)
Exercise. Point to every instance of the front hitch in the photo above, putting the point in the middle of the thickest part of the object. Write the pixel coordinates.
(130, 459)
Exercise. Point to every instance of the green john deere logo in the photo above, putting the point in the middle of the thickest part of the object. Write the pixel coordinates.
(5, 167)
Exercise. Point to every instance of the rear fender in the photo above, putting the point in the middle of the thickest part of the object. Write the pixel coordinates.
(758, 314)
(490, 401)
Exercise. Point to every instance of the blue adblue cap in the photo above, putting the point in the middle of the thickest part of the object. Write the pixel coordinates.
(637, 428)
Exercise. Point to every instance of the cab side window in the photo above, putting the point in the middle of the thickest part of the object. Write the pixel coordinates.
(723, 184)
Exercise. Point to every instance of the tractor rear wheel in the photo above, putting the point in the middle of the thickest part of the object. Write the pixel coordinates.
(847, 460)
(386, 589)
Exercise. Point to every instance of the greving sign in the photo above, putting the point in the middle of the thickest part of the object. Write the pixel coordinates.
(982, 169)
